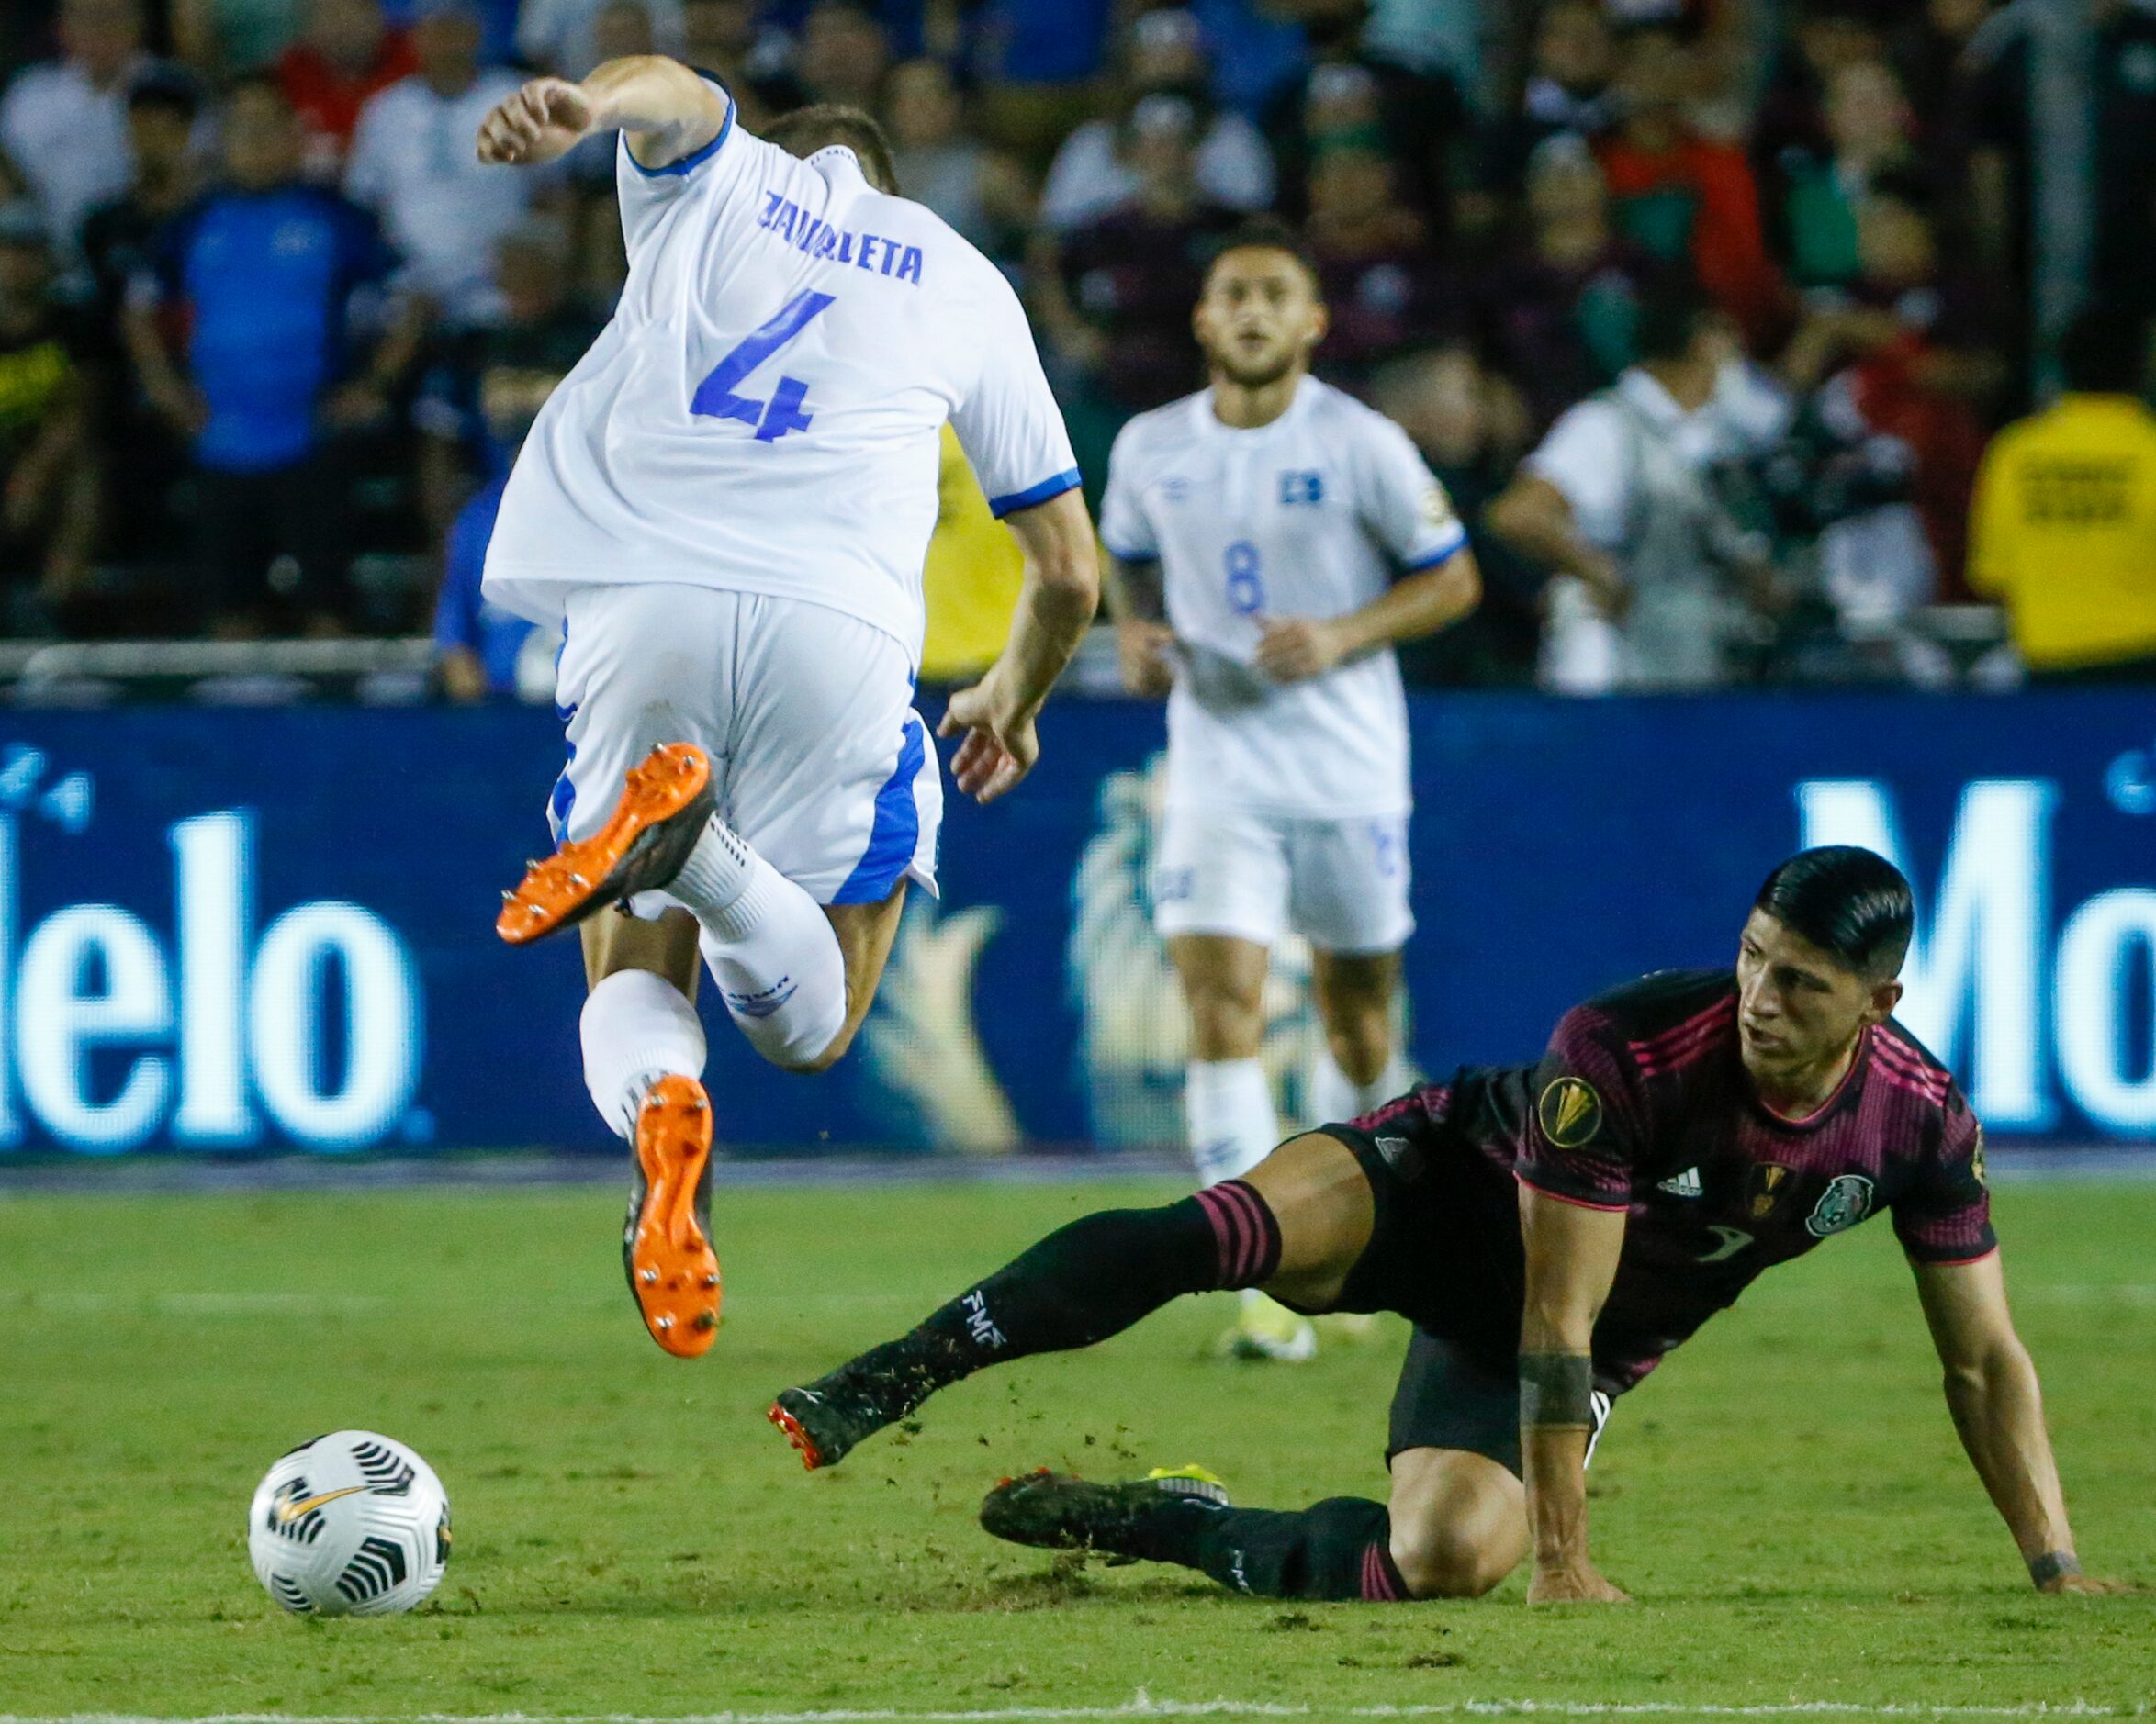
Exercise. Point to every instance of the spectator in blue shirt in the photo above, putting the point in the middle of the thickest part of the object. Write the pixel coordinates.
(258, 290)
(480, 649)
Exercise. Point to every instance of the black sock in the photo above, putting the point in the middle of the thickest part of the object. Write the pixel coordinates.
(1333, 1549)
(1084, 1282)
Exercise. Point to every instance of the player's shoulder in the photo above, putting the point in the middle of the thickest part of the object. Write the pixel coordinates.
(1158, 431)
(1906, 1063)
(1341, 420)
(1659, 1016)
(1332, 406)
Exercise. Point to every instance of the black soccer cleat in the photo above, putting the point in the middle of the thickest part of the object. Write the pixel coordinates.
(828, 1417)
(1054, 1511)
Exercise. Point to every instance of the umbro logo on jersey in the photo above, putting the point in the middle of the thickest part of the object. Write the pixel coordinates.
(1685, 1185)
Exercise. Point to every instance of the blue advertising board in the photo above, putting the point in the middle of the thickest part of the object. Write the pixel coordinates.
(251, 931)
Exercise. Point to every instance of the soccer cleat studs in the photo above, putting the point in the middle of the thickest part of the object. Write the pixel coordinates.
(672, 1268)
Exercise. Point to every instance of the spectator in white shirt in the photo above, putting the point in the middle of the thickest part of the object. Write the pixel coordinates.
(1656, 582)
(64, 123)
(1166, 57)
(413, 163)
(981, 192)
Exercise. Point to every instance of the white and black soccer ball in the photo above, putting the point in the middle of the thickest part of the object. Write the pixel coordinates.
(351, 1524)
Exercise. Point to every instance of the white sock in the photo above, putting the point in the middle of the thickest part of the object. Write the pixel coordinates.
(769, 945)
(1229, 1106)
(637, 1028)
(1333, 1097)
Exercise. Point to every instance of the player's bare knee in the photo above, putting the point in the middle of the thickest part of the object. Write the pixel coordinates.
(1224, 1025)
(834, 1051)
(1445, 1560)
(1361, 1045)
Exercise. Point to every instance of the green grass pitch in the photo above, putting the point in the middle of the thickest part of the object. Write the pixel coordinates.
(1785, 1497)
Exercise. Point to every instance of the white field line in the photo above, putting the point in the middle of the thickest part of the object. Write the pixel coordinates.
(1144, 1706)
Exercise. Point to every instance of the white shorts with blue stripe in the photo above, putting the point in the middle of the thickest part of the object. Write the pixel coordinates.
(818, 758)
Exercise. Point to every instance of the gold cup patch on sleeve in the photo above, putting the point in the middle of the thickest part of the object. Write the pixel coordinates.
(1570, 1113)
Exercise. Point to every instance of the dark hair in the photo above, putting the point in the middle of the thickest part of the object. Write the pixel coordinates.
(1267, 233)
(808, 129)
(1670, 313)
(2104, 350)
(1850, 902)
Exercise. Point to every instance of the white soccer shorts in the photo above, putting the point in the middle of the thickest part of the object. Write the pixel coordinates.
(817, 755)
(1341, 884)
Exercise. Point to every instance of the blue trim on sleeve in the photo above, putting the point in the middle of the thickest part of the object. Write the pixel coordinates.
(1431, 559)
(1122, 555)
(704, 154)
(1034, 495)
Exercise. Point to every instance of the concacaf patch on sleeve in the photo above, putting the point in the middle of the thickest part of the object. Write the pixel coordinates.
(1976, 1159)
(1571, 1112)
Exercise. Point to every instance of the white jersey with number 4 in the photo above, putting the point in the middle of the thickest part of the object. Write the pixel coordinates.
(1309, 516)
(762, 414)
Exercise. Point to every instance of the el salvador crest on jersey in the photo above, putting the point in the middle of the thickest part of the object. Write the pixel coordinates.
(1846, 1201)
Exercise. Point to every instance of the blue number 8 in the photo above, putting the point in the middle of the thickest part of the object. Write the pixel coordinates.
(1246, 589)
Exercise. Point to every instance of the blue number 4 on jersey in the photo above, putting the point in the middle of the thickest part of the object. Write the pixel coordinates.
(714, 396)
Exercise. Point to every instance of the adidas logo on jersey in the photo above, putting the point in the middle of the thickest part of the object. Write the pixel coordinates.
(1685, 1185)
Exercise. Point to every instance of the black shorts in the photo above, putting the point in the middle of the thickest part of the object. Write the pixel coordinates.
(1444, 1253)
(1448, 1400)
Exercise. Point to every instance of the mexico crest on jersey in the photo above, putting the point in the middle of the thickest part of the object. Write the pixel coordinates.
(1845, 1202)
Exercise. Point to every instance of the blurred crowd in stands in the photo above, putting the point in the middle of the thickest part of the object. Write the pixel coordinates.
(1737, 292)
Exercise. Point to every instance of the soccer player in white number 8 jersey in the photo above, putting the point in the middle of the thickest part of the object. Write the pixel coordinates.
(1295, 536)
(726, 505)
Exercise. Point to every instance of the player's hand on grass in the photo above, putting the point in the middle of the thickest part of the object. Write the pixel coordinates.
(2093, 1585)
(1142, 647)
(2059, 1572)
(1574, 1584)
(1000, 746)
(1294, 649)
(542, 121)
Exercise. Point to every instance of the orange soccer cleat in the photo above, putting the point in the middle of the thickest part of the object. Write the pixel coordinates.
(664, 806)
(666, 1247)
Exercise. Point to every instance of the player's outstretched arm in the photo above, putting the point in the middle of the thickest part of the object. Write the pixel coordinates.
(667, 111)
(1571, 1259)
(1293, 648)
(1998, 1410)
(1056, 604)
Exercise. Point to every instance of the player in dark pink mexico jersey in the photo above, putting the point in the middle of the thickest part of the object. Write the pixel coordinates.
(1552, 1231)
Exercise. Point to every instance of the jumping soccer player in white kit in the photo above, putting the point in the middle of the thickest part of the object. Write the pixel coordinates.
(1297, 535)
(726, 505)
